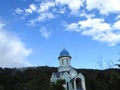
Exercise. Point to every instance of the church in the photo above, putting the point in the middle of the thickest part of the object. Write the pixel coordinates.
(73, 80)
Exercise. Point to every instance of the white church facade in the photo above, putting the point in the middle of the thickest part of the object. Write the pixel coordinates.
(73, 80)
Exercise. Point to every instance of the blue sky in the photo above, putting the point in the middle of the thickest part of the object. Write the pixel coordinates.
(33, 32)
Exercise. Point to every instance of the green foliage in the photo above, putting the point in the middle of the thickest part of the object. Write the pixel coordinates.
(1, 87)
(58, 85)
(38, 78)
(102, 79)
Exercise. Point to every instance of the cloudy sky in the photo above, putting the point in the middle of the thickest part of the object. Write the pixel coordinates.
(33, 32)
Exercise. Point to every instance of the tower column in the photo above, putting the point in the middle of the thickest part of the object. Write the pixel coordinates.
(64, 60)
(74, 84)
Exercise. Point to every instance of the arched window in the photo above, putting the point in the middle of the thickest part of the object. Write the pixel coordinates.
(78, 84)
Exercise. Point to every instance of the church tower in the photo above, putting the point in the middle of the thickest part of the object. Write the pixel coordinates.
(73, 80)
(64, 61)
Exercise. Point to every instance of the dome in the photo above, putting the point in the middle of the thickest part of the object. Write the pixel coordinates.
(64, 53)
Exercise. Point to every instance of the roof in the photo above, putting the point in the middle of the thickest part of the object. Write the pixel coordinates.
(57, 74)
(64, 53)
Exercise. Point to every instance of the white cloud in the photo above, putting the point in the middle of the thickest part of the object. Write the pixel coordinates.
(18, 10)
(74, 5)
(13, 52)
(61, 11)
(86, 15)
(73, 27)
(111, 38)
(94, 4)
(49, 9)
(53, 7)
(45, 6)
(118, 17)
(28, 11)
(1, 25)
(117, 25)
(96, 24)
(104, 6)
(41, 11)
(42, 17)
(44, 32)
(93, 26)
(98, 29)
(33, 7)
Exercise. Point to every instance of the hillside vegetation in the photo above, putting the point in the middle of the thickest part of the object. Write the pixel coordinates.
(37, 78)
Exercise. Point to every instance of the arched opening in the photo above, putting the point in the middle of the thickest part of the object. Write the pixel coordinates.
(78, 84)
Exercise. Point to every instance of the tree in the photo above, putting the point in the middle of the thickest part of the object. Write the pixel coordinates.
(58, 85)
(118, 64)
(1, 87)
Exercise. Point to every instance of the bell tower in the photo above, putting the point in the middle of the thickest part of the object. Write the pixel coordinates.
(73, 80)
(64, 61)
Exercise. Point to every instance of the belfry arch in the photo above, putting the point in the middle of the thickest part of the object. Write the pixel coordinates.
(79, 82)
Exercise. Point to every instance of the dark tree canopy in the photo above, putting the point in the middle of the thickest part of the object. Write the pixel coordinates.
(38, 78)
